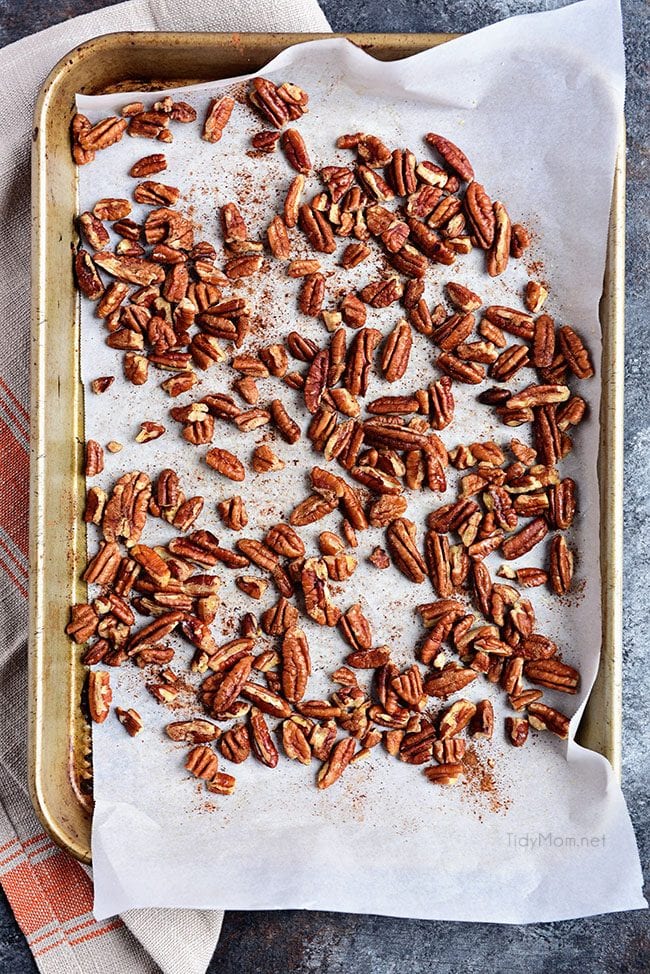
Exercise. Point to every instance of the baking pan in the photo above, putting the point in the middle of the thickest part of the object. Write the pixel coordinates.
(60, 772)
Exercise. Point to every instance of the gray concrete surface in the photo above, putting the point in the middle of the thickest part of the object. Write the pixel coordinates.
(291, 942)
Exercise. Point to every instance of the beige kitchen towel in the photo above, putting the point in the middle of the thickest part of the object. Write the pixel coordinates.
(50, 893)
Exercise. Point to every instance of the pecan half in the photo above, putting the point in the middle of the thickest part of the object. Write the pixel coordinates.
(225, 463)
(542, 717)
(296, 151)
(338, 760)
(454, 157)
(100, 695)
(560, 566)
(499, 252)
(575, 353)
(218, 116)
(260, 738)
(296, 664)
(401, 543)
(396, 352)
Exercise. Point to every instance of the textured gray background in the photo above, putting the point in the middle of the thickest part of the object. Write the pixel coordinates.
(320, 943)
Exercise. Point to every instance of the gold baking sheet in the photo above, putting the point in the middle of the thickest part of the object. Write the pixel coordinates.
(60, 775)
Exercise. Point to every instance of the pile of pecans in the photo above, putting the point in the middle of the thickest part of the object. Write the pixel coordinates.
(170, 306)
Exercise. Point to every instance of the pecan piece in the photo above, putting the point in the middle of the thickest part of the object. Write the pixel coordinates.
(468, 372)
(221, 784)
(316, 592)
(517, 730)
(357, 372)
(265, 141)
(130, 720)
(235, 744)
(313, 508)
(444, 774)
(202, 762)
(80, 126)
(525, 540)
(132, 270)
(381, 294)
(562, 504)
(264, 460)
(436, 549)
(481, 214)
(88, 280)
(102, 135)
(94, 459)
(251, 585)
(283, 540)
(125, 512)
(266, 700)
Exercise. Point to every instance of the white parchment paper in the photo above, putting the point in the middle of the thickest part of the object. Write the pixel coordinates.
(536, 102)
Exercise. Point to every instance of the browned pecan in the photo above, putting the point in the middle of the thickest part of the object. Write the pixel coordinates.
(260, 738)
(454, 157)
(444, 774)
(296, 664)
(296, 151)
(401, 543)
(467, 372)
(575, 353)
(560, 565)
(218, 116)
(499, 252)
(316, 592)
(357, 371)
(100, 695)
(264, 460)
(338, 760)
(481, 214)
(520, 240)
(312, 294)
(295, 740)
(517, 730)
(101, 135)
(235, 744)
(225, 463)
(316, 380)
(381, 294)
(316, 229)
(542, 717)
(396, 351)
(251, 585)
(80, 126)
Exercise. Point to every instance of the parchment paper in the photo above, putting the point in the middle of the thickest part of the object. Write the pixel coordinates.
(536, 102)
